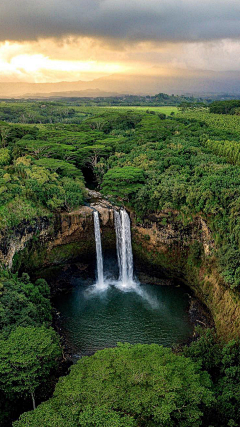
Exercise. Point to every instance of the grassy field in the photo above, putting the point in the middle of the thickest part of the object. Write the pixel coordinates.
(39, 112)
(165, 109)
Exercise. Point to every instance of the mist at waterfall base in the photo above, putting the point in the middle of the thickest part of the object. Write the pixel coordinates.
(115, 307)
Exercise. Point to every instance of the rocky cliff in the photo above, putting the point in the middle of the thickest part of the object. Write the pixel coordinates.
(163, 244)
(16, 240)
(63, 238)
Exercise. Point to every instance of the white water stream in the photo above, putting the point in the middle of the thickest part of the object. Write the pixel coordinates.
(124, 248)
(97, 231)
(125, 281)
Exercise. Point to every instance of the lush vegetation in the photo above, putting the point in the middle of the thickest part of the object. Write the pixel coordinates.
(225, 107)
(146, 385)
(127, 386)
(74, 110)
(151, 160)
(222, 362)
(39, 112)
(188, 162)
(33, 181)
(29, 347)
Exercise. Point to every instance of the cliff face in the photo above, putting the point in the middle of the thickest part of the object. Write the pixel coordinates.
(165, 237)
(162, 245)
(75, 237)
(168, 227)
(14, 241)
(66, 237)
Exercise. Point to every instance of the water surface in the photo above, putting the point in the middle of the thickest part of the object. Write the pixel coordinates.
(92, 320)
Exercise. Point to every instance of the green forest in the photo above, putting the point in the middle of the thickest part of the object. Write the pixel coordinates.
(149, 159)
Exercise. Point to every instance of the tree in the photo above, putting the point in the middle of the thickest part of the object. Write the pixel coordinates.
(90, 154)
(128, 385)
(222, 362)
(4, 156)
(23, 303)
(123, 182)
(4, 132)
(26, 359)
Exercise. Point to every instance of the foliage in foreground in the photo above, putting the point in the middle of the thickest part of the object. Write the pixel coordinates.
(29, 347)
(23, 303)
(26, 359)
(222, 362)
(148, 385)
(140, 385)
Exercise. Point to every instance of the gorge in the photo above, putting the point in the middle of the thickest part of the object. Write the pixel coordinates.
(162, 245)
(113, 306)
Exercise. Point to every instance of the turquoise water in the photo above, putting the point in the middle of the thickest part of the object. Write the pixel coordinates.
(92, 320)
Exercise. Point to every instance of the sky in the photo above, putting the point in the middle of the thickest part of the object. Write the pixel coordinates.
(70, 40)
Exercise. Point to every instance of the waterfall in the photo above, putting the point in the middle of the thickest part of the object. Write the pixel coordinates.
(124, 247)
(125, 281)
(124, 252)
(100, 281)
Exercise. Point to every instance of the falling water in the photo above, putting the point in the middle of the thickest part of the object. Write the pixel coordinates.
(100, 281)
(124, 254)
(125, 281)
(124, 248)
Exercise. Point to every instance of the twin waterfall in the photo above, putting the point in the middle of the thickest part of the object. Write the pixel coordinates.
(124, 249)
(97, 232)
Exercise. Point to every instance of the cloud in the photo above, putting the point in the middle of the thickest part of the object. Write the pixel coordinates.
(127, 20)
(48, 60)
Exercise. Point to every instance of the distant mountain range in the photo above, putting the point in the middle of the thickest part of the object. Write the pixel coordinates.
(178, 82)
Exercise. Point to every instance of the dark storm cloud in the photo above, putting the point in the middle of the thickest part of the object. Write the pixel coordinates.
(160, 20)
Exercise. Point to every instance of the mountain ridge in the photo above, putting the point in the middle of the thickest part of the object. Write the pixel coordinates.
(178, 81)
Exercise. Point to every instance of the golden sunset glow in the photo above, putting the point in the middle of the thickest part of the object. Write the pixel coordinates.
(83, 58)
(20, 62)
(55, 41)
(36, 63)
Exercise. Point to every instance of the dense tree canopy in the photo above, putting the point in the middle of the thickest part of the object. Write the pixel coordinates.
(137, 385)
(149, 160)
(222, 361)
(29, 347)
(26, 359)
(23, 303)
(225, 107)
(188, 162)
(123, 181)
